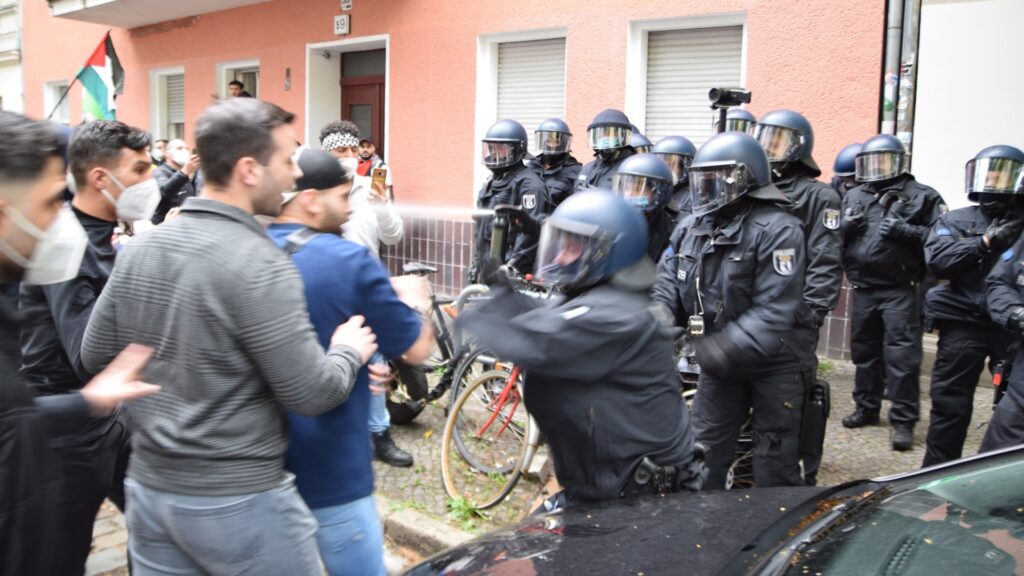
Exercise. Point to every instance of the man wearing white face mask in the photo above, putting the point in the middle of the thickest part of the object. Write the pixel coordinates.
(113, 181)
(175, 177)
(41, 242)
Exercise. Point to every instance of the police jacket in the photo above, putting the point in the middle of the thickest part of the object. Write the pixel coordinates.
(1004, 295)
(871, 260)
(175, 186)
(818, 206)
(600, 380)
(55, 316)
(598, 172)
(516, 186)
(955, 252)
(680, 203)
(558, 179)
(750, 273)
(659, 230)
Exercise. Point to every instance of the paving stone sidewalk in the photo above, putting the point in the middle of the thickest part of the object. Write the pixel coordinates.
(849, 455)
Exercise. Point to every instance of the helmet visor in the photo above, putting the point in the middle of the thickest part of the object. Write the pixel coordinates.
(780, 144)
(572, 255)
(639, 191)
(609, 137)
(881, 165)
(714, 186)
(501, 154)
(549, 142)
(678, 163)
(736, 125)
(642, 149)
(993, 176)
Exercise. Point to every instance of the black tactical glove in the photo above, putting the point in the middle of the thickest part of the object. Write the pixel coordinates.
(1002, 234)
(493, 274)
(1016, 321)
(895, 228)
(854, 223)
(710, 351)
(520, 219)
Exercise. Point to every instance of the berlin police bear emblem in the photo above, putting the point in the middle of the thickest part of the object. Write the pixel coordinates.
(782, 260)
(830, 218)
(529, 201)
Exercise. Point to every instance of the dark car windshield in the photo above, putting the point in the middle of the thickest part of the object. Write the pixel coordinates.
(967, 521)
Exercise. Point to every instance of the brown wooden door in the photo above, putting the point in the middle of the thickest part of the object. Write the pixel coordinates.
(362, 102)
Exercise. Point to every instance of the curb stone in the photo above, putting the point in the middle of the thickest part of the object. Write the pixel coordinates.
(417, 531)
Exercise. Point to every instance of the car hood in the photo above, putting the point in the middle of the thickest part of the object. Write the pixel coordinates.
(693, 532)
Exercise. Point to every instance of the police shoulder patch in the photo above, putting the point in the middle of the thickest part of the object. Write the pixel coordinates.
(681, 275)
(830, 218)
(943, 232)
(783, 261)
(529, 201)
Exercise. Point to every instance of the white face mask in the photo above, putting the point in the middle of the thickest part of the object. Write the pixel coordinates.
(58, 252)
(136, 202)
(180, 157)
(157, 155)
(349, 164)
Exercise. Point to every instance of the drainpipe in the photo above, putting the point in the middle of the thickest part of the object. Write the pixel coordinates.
(908, 74)
(891, 64)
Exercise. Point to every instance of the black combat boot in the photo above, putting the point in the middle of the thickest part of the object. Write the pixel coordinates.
(902, 438)
(385, 450)
(860, 418)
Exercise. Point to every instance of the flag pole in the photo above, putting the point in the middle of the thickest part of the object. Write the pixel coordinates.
(73, 82)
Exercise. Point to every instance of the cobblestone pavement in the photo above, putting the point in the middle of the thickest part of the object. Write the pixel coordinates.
(849, 455)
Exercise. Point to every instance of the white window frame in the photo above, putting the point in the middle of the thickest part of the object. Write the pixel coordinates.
(487, 86)
(636, 56)
(50, 99)
(158, 99)
(226, 73)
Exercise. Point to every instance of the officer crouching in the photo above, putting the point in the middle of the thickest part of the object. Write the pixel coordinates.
(734, 278)
(600, 377)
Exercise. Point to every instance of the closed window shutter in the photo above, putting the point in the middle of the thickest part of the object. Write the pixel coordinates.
(682, 66)
(531, 82)
(176, 99)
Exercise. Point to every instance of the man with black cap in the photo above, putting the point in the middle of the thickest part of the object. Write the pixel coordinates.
(330, 454)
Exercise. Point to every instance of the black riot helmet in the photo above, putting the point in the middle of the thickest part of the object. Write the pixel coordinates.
(786, 136)
(993, 178)
(645, 181)
(677, 152)
(726, 167)
(738, 120)
(504, 144)
(552, 137)
(846, 161)
(639, 142)
(610, 130)
(882, 157)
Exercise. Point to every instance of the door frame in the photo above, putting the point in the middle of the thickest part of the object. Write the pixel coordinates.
(323, 83)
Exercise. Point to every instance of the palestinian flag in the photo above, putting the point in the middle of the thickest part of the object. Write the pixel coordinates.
(102, 79)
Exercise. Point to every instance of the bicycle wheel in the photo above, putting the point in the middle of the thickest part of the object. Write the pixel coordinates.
(470, 367)
(741, 472)
(484, 441)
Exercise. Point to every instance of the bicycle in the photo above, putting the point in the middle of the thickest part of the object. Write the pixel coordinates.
(493, 436)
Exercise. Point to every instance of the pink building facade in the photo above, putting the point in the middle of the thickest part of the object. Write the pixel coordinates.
(444, 70)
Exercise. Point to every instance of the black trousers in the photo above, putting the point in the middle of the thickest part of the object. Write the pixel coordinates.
(93, 471)
(775, 405)
(962, 351)
(885, 344)
(1007, 426)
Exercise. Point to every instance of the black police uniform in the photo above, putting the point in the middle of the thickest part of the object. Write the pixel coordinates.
(818, 207)
(559, 179)
(598, 172)
(885, 273)
(1005, 294)
(515, 186)
(749, 273)
(600, 382)
(679, 204)
(956, 252)
(659, 230)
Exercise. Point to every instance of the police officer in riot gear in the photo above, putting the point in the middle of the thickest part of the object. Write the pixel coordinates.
(511, 183)
(554, 162)
(610, 135)
(738, 120)
(645, 182)
(734, 279)
(599, 369)
(885, 223)
(962, 248)
(788, 140)
(677, 152)
(844, 169)
(639, 143)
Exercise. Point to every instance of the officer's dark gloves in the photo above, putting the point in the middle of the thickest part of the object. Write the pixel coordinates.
(1016, 322)
(819, 316)
(854, 223)
(710, 351)
(1002, 234)
(520, 219)
(895, 228)
(493, 274)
